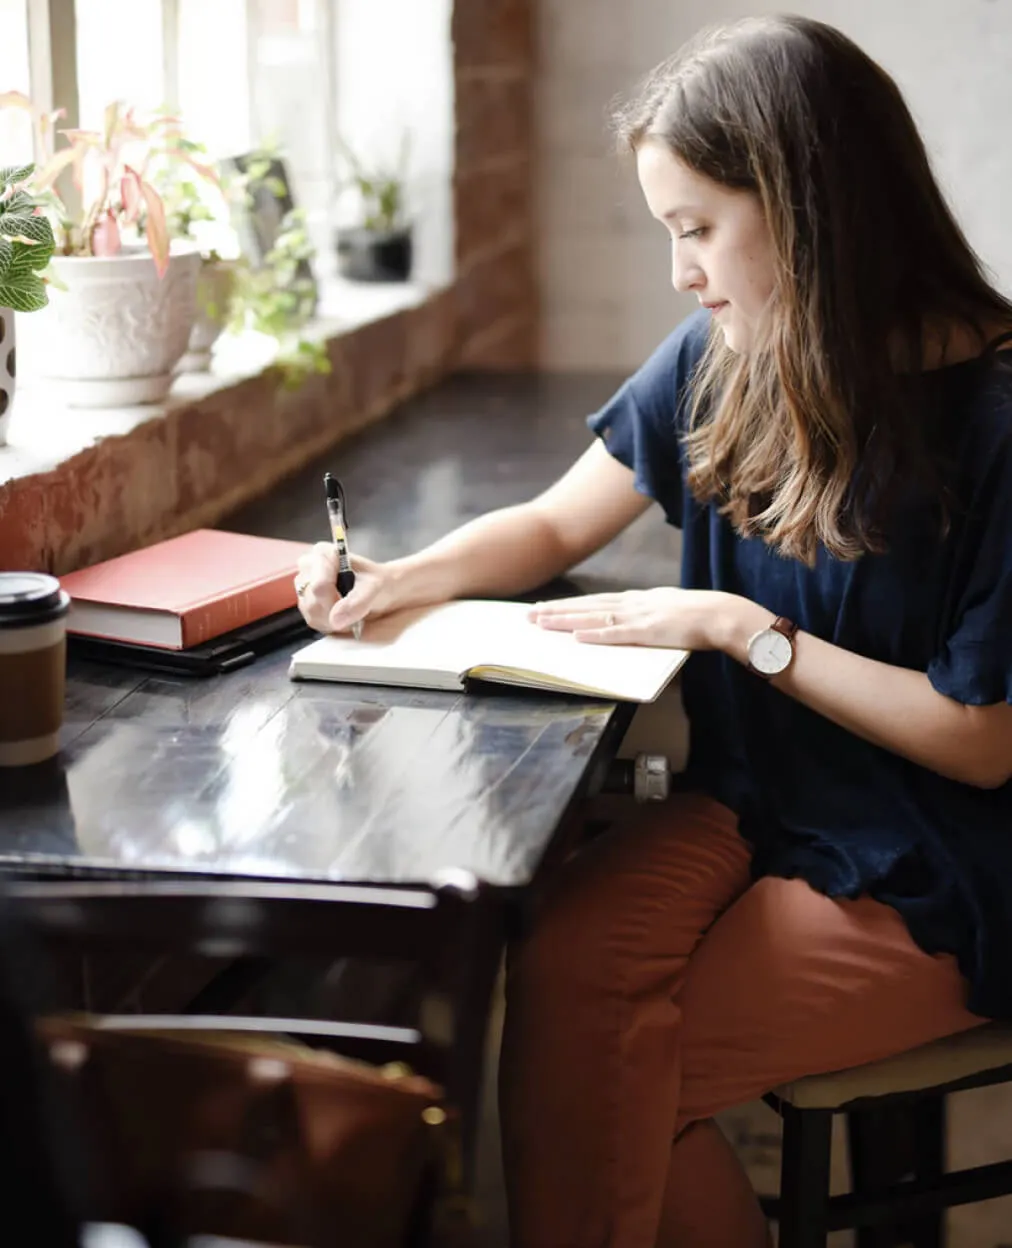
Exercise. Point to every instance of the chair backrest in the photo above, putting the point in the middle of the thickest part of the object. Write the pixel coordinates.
(434, 929)
(253, 1140)
(173, 1097)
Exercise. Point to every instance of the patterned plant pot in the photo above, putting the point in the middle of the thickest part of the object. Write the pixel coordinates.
(114, 335)
(6, 371)
(215, 283)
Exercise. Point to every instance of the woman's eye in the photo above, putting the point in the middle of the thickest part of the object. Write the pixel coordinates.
(697, 233)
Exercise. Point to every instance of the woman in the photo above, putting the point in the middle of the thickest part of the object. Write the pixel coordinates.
(832, 434)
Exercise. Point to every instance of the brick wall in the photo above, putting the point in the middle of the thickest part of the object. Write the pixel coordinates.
(200, 460)
(496, 293)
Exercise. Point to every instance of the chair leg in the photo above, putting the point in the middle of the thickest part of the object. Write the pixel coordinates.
(804, 1177)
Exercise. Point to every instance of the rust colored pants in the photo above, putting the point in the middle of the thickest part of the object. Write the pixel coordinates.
(659, 986)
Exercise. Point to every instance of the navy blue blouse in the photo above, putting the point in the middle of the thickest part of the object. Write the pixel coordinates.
(814, 800)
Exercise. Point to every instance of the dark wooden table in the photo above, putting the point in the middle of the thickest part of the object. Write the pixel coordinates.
(249, 775)
(252, 775)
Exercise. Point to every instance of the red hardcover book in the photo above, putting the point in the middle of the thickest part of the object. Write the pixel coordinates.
(184, 591)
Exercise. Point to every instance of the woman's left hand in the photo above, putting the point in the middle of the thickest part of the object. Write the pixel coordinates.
(680, 619)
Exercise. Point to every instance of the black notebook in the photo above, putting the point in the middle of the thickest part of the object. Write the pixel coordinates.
(210, 658)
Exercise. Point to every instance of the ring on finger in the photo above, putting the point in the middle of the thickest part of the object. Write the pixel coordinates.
(300, 588)
(609, 620)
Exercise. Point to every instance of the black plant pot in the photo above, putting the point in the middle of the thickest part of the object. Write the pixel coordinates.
(373, 256)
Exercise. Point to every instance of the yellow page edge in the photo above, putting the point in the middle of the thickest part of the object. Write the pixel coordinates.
(565, 686)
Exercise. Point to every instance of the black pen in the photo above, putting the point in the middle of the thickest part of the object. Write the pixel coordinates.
(338, 531)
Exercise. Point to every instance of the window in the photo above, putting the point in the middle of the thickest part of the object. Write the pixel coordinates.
(15, 126)
(242, 73)
(212, 88)
(289, 43)
(294, 74)
(119, 57)
(255, 72)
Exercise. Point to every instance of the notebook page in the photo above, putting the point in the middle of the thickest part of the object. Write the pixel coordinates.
(420, 646)
(436, 646)
(635, 673)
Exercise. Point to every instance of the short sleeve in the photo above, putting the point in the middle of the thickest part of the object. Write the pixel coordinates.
(974, 664)
(640, 425)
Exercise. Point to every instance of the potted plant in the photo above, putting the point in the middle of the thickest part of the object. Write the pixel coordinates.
(278, 298)
(125, 296)
(379, 247)
(269, 287)
(197, 209)
(26, 245)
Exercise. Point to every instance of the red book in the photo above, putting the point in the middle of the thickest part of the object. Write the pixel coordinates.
(186, 590)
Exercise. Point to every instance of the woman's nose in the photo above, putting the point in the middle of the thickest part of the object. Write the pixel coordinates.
(685, 272)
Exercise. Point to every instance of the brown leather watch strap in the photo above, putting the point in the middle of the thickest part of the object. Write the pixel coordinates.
(783, 625)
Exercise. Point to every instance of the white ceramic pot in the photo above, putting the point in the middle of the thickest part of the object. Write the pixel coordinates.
(6, 371)
(113, 337)
(214, 290)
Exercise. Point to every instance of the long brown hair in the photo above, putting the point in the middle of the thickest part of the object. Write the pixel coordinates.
(802, 438)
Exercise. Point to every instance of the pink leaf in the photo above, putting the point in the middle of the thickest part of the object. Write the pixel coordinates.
(47, 175)
(130, 191)
(80, 151)
(105, 240)
(157, 228)
(111, 118)
(46, 128)
(101, 200)
(90, 138)
(205, 171)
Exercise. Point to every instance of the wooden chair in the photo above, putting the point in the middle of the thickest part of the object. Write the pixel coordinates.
(446, 932)
(913, 1084)
(907, 1090)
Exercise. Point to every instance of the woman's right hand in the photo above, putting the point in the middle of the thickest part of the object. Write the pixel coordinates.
(322, 606)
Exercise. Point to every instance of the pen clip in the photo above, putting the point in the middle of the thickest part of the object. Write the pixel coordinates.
(336, 495)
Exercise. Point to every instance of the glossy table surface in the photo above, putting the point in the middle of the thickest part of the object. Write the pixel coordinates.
(249, 774)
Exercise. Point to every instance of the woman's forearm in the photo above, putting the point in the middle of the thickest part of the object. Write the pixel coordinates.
(502, 553)
(893, 707)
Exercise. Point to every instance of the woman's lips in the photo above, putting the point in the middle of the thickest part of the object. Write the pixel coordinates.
(714, 308)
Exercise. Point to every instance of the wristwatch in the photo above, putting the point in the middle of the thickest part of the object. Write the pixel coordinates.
(771, 649)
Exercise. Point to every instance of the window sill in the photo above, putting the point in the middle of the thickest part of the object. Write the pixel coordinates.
(78, 485)
(44, 433)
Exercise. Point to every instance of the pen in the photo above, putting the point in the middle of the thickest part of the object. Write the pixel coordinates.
(338, 531)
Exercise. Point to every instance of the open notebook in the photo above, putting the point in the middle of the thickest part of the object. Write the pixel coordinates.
(441, 647)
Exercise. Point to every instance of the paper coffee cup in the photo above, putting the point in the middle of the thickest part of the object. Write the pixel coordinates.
(33, 666)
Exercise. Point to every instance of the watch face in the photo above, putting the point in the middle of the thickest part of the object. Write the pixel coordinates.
(770, 652)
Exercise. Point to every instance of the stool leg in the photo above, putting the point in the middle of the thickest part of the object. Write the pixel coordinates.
(804, 1177)
(888, 1143)
(929, 1124)
(878, 1157)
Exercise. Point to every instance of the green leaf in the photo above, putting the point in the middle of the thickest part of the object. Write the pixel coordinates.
(20, 202)
(28, 260)
(28, 295)
(30, 254)
(13, 262)
(15, 173)
(37, 229)
(17, 257)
